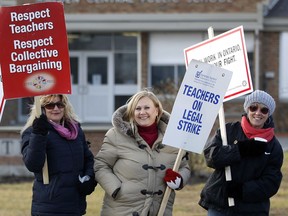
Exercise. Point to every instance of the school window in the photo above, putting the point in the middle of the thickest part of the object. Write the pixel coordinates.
(250, 56)
(103, 68)
(167, 78)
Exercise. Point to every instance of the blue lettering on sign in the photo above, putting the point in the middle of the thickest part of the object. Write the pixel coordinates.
(192, 116)
(201, 94)
(189, 127)
(191, 120)
(197, 105)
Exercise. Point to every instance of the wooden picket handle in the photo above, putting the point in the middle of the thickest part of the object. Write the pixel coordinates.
(223, 132)
(45, 167)
(168, 190)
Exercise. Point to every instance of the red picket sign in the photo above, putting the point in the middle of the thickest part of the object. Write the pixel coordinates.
(34, 52)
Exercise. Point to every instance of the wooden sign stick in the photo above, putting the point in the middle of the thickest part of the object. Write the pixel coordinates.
(223, 131)
(45, 167)
(167, 193)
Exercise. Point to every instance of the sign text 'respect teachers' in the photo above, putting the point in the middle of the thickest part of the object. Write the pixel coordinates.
(35, 55)
(20, 46)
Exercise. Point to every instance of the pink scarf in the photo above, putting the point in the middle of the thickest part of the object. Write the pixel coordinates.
(69, 133)
(251, 132)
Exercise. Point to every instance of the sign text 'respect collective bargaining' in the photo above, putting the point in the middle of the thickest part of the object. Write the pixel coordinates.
(35, 56)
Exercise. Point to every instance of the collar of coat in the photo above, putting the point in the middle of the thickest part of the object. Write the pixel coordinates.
(125, 127)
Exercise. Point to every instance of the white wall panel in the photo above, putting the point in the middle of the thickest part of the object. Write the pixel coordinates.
(283, 67)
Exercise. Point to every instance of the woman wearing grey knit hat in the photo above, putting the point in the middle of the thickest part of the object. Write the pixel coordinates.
(255, 157)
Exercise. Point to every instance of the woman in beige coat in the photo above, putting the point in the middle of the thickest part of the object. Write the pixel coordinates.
(133, 166)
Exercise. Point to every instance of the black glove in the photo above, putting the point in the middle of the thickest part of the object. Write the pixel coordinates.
(87, 187)
(251, 147)
(234, 189)
(40, 125)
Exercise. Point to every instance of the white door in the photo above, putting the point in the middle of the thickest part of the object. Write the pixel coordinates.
(92, 85)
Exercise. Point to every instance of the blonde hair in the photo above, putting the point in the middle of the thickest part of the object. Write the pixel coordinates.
(133, 101)
(69, 114)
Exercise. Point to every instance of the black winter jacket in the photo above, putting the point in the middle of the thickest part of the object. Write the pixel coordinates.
(261, 176)
(67, 159)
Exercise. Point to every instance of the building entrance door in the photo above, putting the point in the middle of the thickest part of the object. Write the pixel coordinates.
(92, 85)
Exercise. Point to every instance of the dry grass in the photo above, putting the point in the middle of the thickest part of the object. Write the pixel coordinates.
(15, 199)
(186, 203)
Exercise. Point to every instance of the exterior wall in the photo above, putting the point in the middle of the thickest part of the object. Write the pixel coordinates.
(157, 6)
(270, 63)
(11, 163)
(144, 58)
(182, 6)
(9, 113)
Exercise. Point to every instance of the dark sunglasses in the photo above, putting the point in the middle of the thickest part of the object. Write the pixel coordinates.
(52, 105)
(263, 110)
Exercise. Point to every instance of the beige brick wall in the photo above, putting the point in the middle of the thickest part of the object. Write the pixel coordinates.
(270, 62)
(166, 6)
(95, 137)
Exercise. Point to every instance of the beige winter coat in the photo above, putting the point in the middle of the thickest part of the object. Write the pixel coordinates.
(126, 161)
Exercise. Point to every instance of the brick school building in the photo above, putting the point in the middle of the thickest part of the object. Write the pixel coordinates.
(117, 47)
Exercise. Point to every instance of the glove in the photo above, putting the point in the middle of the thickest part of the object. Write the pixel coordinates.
(40, 125)
(234, 189)
(87, 185)
(251, 147)
(173, 179)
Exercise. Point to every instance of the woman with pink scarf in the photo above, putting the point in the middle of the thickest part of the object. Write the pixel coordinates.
(57, 136)
(255, 157)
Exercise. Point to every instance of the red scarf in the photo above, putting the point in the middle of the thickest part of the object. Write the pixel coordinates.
(149, 134)
(251, 132)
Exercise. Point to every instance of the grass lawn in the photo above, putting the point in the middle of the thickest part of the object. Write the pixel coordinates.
(15, 199)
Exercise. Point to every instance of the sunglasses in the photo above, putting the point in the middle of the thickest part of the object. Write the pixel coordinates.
(52, 105)
(263, 110)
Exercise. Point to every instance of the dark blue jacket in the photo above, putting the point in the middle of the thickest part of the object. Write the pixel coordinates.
(261, 176)
(67, 159)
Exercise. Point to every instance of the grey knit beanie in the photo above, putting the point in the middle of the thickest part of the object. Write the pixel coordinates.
(262, 97)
